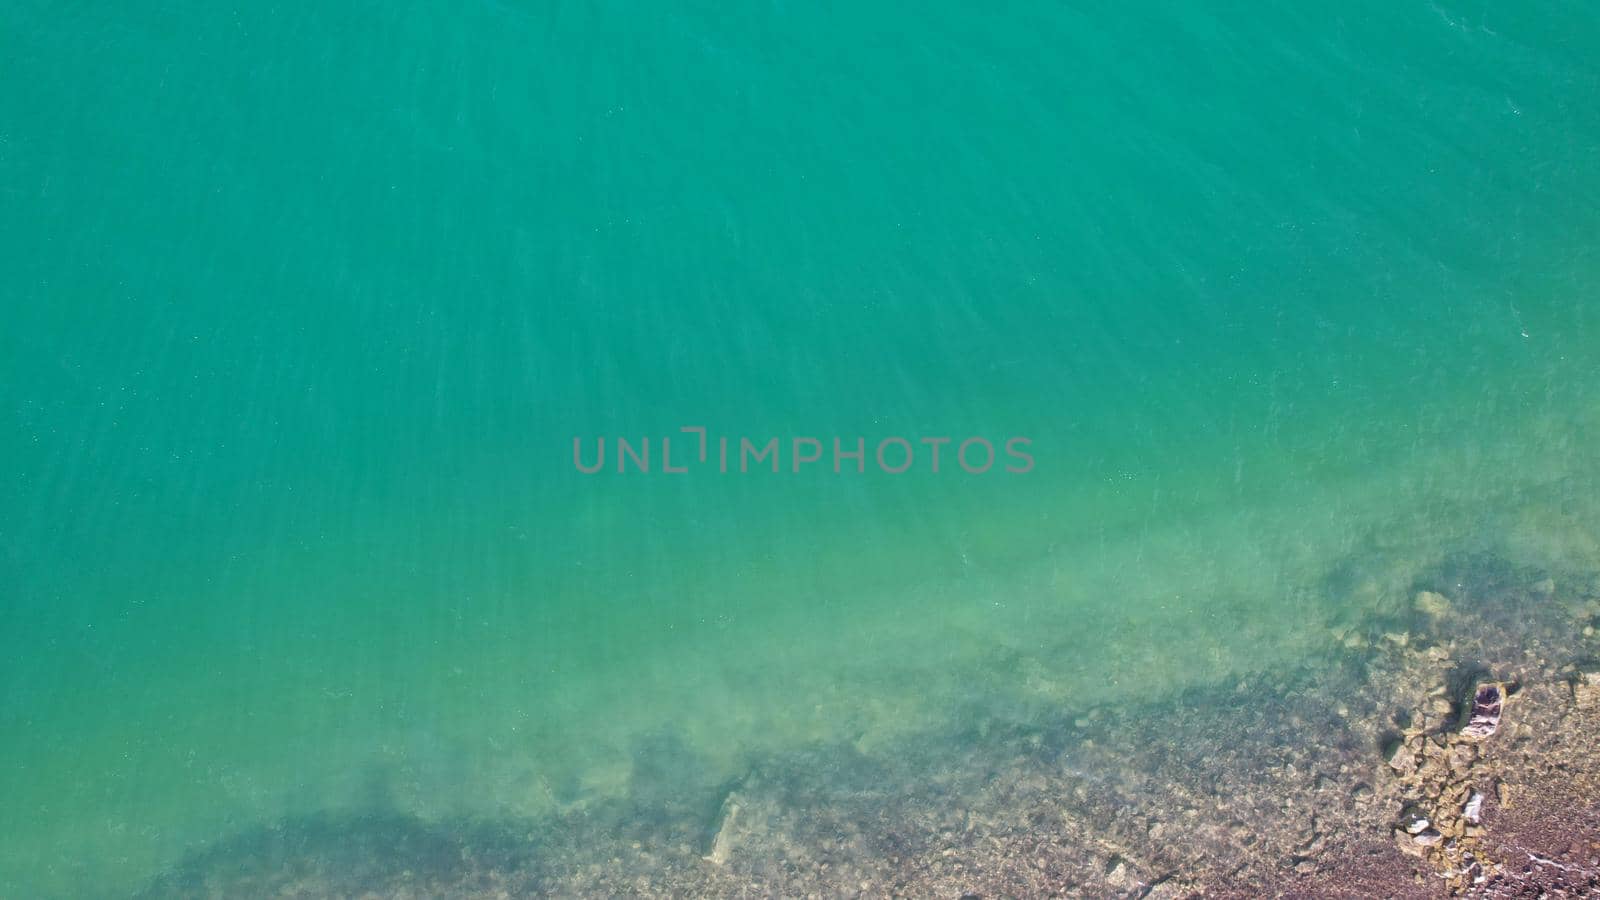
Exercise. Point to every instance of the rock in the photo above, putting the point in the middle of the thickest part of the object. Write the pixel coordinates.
(1117, 874)
(1413, 820)
(1545, 587)
(1586, 690)
(1473, 811)
(1435, 606)
(1429, 838)
(1417, 844)
(1168, 889)
(1406, 843)
(722, 834)
(1483, 720)
(1400, 757)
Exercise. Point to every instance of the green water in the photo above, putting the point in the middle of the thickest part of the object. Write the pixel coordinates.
(302, 308)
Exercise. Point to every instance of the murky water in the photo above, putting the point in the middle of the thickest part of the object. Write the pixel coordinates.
(302, 311)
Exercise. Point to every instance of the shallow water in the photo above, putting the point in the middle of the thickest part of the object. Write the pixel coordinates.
(302, 311)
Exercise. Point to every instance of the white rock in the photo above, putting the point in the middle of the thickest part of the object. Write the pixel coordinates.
(1488, 701)
(1429, 838)
(1473, 811)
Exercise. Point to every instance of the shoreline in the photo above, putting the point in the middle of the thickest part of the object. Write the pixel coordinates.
(1304, 783)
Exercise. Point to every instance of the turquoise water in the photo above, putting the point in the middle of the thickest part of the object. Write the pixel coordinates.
(302, 309)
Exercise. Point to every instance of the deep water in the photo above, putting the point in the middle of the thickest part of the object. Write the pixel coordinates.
(302, 309)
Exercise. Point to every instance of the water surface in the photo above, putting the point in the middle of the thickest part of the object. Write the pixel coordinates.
(301, 310)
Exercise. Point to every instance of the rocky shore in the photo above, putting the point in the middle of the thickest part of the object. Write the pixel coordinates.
(1447, 748)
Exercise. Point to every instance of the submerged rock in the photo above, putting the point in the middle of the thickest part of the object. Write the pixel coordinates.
(1401, 756)
(1117, 875)
(1473, 811)
(1428, 838)
(1417, 844)
(1483, 718)
(1435, 606)
(722, 831)
(1586, 690)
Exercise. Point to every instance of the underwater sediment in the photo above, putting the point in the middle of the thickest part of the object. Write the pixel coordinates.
(1355, 776)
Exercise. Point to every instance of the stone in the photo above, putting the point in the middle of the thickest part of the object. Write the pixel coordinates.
(1406, 843)
(1429, 838)
(1168, 889)
(1586, 689)
(1483, 718)
(1400, 757)
(1117, 874)
(1473, 811)
(722, 835)
(1435, 606)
